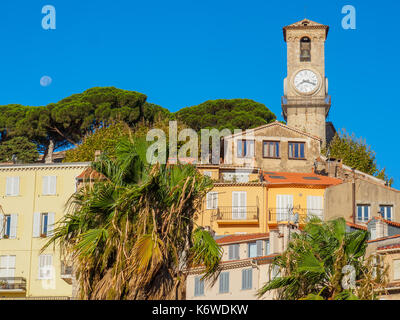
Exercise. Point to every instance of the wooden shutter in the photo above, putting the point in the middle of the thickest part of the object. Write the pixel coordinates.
(198, 287)
(284, 202)
(50, 223)
(9, 186)
(45, 185)
(15, 186)
(36, 225)
(235, 205)
(236, 251)
(259, 248)
(231, 253)
(52, 185)
(224, 282)
(315, 206)
(242, 204)
(45, 266)
(247, 279)
(267, 247)
(13, 227)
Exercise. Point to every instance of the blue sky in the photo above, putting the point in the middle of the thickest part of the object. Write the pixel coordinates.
(181, 53)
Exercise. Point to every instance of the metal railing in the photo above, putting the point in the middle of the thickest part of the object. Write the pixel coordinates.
(66, 270)
(299, 215)
(12, 283)
(236, 213)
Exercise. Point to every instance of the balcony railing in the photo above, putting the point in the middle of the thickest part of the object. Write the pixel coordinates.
(236, 213)
(66, 272)
(294, 215)
(12, 283)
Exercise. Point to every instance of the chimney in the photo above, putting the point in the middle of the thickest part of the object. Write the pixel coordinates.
(97, 155)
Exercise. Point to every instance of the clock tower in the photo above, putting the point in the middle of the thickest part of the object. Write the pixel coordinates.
(305, 101)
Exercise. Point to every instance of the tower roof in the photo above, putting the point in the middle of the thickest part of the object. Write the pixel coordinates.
(305, 24)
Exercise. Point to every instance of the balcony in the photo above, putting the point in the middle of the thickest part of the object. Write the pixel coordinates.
(12, 284)
(236, 215)
(300, 215)
(66, 273)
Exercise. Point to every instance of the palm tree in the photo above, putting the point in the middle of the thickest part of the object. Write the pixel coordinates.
(131, 234)
(313, 266)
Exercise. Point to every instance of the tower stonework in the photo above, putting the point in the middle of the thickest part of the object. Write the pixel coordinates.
(306, 103)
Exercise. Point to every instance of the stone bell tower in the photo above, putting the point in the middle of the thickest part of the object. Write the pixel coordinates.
(305, 102)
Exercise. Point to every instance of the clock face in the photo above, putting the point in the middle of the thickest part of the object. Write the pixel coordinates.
(306, 81)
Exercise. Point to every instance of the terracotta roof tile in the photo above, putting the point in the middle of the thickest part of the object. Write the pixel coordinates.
(90, 174)
(295, 178)
(241, 238)
(356, 226)
(392, 223)
(389, 246)
(384, 238)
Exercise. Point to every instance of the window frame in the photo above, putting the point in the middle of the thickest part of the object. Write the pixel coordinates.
(304, 150)
(12, 180)
(209, 194)
(198, 281)
(270, 142)
(243, 142)
(363, 205)
(50, 266)
(384, 215)
(227, 275)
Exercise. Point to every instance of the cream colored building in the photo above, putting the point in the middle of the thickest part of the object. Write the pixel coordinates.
(32, 199)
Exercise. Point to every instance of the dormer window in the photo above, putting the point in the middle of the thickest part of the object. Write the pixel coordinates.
(305, 49)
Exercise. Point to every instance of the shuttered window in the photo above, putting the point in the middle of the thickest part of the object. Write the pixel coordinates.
(252, 250)
(315, 206)
(49, 184)
(224, 282)
(245, 148)
(43, 224)
(396, 269)
(296, 150)
(7, 267)
(247, 279)
(12, 186)
(284, 207)
(234, 252)
(212, 200)
(386, 212)
(45, 266)
(239, 200)
(267, 247)
(198, 286)
(270, 149)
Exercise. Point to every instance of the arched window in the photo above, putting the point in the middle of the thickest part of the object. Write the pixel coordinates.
(305, 49)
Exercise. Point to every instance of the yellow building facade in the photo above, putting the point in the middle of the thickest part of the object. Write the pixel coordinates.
(32, 198)
(250, 200)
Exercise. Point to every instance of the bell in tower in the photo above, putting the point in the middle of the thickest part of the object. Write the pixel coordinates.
(305, 49)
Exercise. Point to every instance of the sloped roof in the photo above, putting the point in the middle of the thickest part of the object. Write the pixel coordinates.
(234, 238)
(272, 124)
(356, 226)
(305, 24)
(392, 223)
(295, 178)
(90, 174)
(390, 246)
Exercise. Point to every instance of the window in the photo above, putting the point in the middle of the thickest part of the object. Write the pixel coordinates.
(43, 224)
(198, 286)
(212, 200)
(386, 212)
(396, 269)
(207, 173)
(245, 148)
(247, 279)
(224, 282)
(45, 266)
(305, 49)
(255, 249)
(49, 184)
(12, 186)
(239, 199)
(267, 247)
(284, 207)
(8, 226)
(270, 149)
(315, 206)
(234, 252)
(296, 150)
(7, 267)
(363, 212)
(275, 272)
